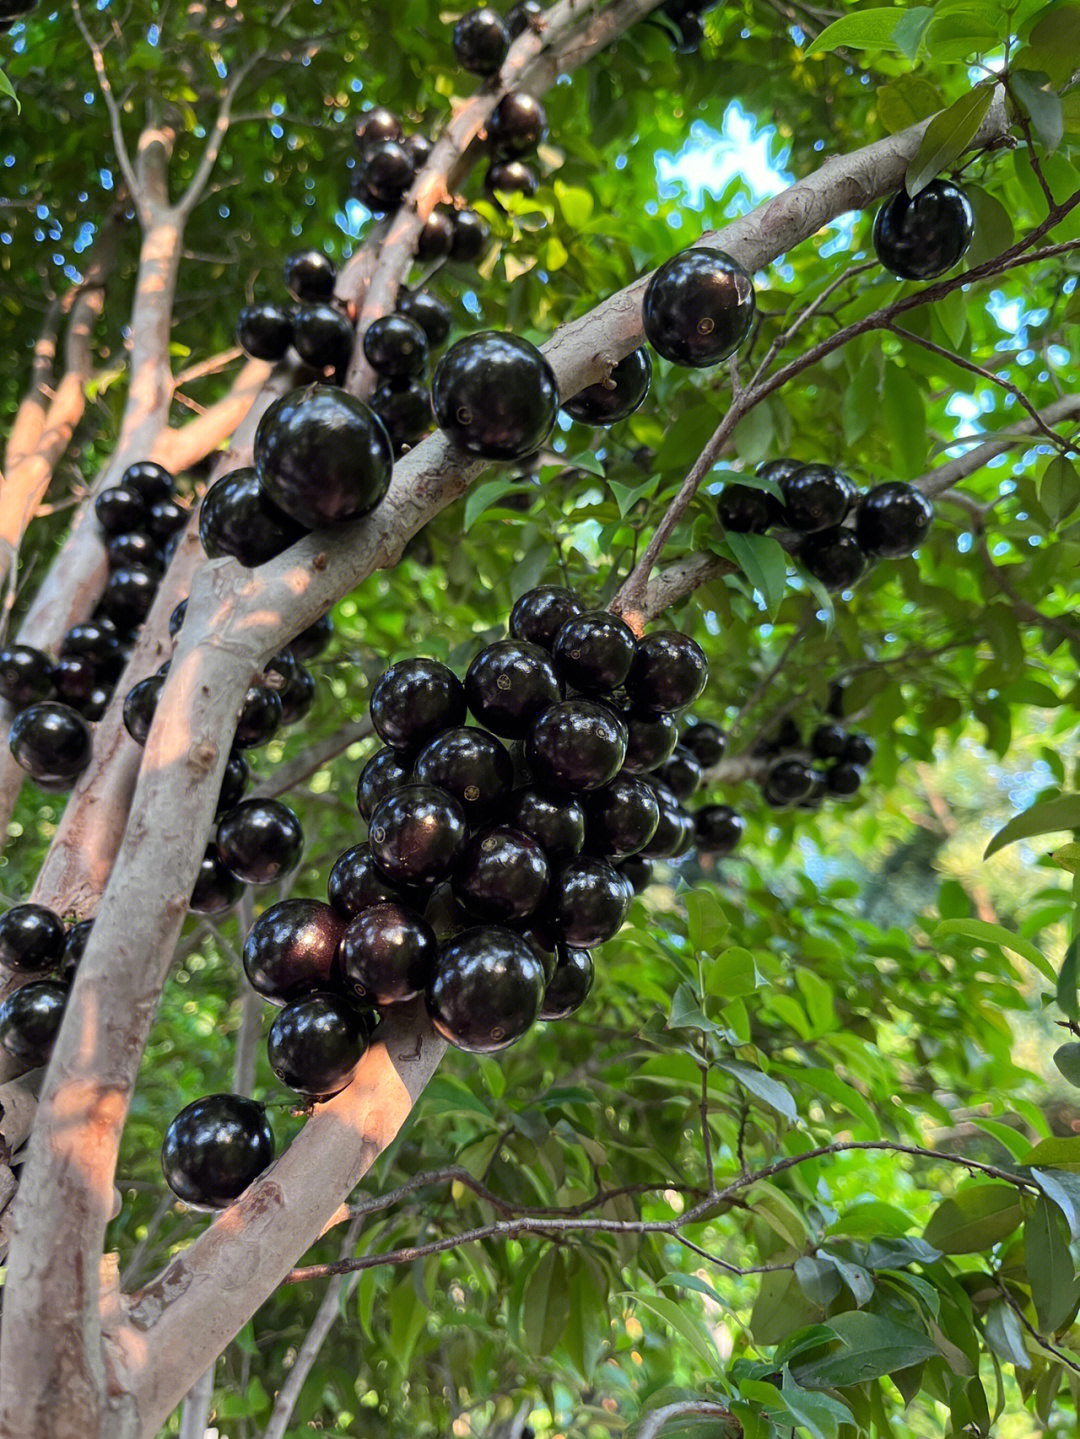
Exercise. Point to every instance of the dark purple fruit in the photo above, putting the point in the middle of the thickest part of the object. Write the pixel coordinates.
(651, 738)
(622, 816)
(675, 829)
(129, 593)
(487, 989)
(509, 683)
(376, 125)
(613, 399)
(289, 950)
(216, 890)
(176, 619)
(828, 741)
(355, 884)
(153, 481)
(309, 276)
(556, 822)
(470, 237)
(523, 16)
(420, 149)
(120, 510)
(236, 518)
(215, 1148)
(698, 307)
(396, 346)
(680, 773)
(593, 652)
(588, 902)
(495, 396)
(437, 236)
(297, 693)
(264, 331)
(233, 782)
(705, 741)
(843, 779)
(74, 680)
(30, 1019)
(569, 986)
(310, 643)
(164, 519)
(25, 675)
(471, 765)
(503, 875)
(384, 772)
(430, 313)
(576, 745)
(637, 871)
(51, 742)
(260, 840)
(512, 177)
(404, 406)
(859, 749)
(669, 672)
(746, 510)
(892, 520)
(833, 557)
(31, 939)
(387, 955)
(414, 701)
(140, 703)
(322, 456)
(96, 703)
(316, 1043)
(323, 336)
(96, 640)
(384, 173)
(481, 41)
(816, 497)
(921, 238)
(133, 549)
(540, 614)
(74, 946)
(260, 717)
(517, 125)
(787, 782)
(718, 828)
(417, 834)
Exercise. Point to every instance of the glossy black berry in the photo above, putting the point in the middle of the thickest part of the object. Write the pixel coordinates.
(675, 828)
(233, 782)
(509, 683)
(517, 125)
(236, 518)
(98, 641)
(310, 643)
(587, 902)
(569, 986)
(140, 703)
(593, 652)
(133, 549)
(417, 834)
(705, 741)
(264, 331)
(387, 955)
(833, 557)
(215, 1148)
(153, 481)
(523, 16)
(828, 741)
(430, 313)
(384, 173)
(30, 1019)
(376, 125)
(843, 779)
(51, 742)
(481, 41)
(576, 745)
(322, 456)
(637, 871)
(309, 276)
(495, 396)
(786, 782)
(176, 619)
(323, 336)
(555, 821)
(680, 773)
(129, 593)
(921, 238)
(512, 177)
(74, 946)
(297, 690)
(487, 989)
(540, 614)
(164, 519)
(816, 497)
(622, 816)
(25, 675)
(668, 673)
(420, 149)
(698, 307)
(858, 749)
(120, 510)
(651, 738)
(619, 396)
(315, 1044)
(74, 680)
(260, 717)
(31, 939)
(396, 346)
(414, 700)
(355, 884)
(718, 829)
(746, 510)
(471, 765)
(216, 890)
(404, 407)
(289, 950)
(437, 236)
(384, 772)
(892, 520)
(471, 233)
(260, 840)
(502, 876)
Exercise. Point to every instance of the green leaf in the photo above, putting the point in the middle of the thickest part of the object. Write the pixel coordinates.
(678, 1317)
(1063, 1189)
(1067, 1060)
(820, 1415)
(993, 226)
(980, 1215)
(906, 101)
(730, 974)
(1005, 1336)
(1059, 489)
(947, 137)
(904, 411)
(1059, 1152)
(1043, 106)
(1049, 1267)
(770, 1091)
(1067, 982)
(576, 204)
(1053, 44)
(546, 1305)
(866, 30)
(7, 88)
(871, 1347)
(1051, 816)
(1067, 858)
(484, 496)
(985, 933)
(764, 563)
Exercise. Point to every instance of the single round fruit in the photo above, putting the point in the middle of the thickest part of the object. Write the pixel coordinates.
(588, 902)
(30, 1019)
(593, 652)
(471, 765)
(96, 703)
(216, 890)
(414, 701)
(503, 875)
(487, 989)
(236, 518)
(315, 1044)
(816, 497)
(922, 238)
(523, 16)
(140, 702)
(260, 840)
(569, 986)
(120, 510)
(705, 741)
(718, 828)
(323, 336)
(396, 346)
(512, 177)
(74, 680)
(509, 683)
(297, 691)
(892, 520)
(495, 396)
(669, 672)
(51, 742)
(675, 829)
(404, 406)
(129, 593)
(384, 772)
(260, 717)
(843, 779)
(437, 236)
(517, 125)
(289, 950)
(828, 741)
(25, 675)
(680, 773)
(322, 456)
(858, 749)
(417, 834)
(310, 643)
(387, 955)
(622, 816)
(309, 276)
(215, 1148)
(384, 173)
(698, 307)
(637, 871)
(613, 399)
(420, 149)
(375, 125)
(576, 745)
(556, 822)
(163, 521)
(746, 510)
(96, 640)
(355, 884)
(470, 237)
(134, 549)
(264, 331)
(651, 738)
(833, 557)
(74, 946)
(153, 481)
(31, 939)
(540, 614)
(787, 782)
(430, 313)
(233, 782)
(481, 41)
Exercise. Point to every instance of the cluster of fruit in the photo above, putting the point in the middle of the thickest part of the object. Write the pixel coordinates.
(815, 502)
(34, 941)
(57, 700)
(804, 774)
(317, 329)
